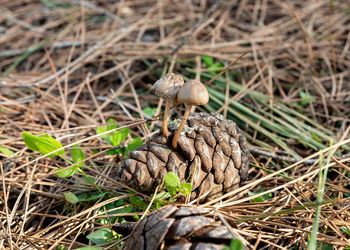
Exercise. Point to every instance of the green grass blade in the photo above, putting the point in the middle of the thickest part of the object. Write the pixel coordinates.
(26, 53)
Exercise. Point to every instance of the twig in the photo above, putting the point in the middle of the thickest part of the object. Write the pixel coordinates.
(55, 45)
(280, 157)
(210, 11)
(98, 9)
(21, 100)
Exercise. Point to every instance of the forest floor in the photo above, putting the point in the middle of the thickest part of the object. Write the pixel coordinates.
(69, 67)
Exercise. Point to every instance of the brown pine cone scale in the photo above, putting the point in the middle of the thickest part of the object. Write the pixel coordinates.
(180, 227)
(212, 155)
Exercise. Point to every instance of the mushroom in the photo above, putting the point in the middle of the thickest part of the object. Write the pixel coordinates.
(192, 93)
(167, 88)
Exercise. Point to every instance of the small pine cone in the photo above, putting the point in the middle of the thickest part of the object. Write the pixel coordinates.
(180, 227)
(212, 155)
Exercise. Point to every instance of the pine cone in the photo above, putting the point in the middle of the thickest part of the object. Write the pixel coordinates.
(180, 227)
(212, 155)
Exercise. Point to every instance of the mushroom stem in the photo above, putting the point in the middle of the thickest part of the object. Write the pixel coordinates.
(182, 124)
(166, 118)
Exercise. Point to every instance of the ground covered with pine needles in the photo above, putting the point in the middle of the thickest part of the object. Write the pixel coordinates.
(67, 67)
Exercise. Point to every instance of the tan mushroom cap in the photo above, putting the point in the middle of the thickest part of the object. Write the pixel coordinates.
(193, 92)
(168, 86)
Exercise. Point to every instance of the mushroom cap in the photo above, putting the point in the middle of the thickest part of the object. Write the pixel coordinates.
(168, 86)
(193, 92)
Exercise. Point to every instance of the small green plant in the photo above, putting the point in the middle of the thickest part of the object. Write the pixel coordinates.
(235, 244)
(173, 188)
(306, 98)
(150, 111)
(46, 144)
(116, 138)
(346, 230)
(262, 198)
(210, 64)
(103, 236)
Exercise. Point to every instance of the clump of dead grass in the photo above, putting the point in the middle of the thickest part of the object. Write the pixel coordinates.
(100, 60)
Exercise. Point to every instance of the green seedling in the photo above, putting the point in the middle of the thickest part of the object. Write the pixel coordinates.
(235, 244)
(262, 198)
(46, 144)
(306, 98)
(103, 236)
(173, 188)
(78, 158)
(210, 64)
(150, 111)
(116, 138)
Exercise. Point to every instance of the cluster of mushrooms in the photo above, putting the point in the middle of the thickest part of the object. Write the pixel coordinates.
(174, 90)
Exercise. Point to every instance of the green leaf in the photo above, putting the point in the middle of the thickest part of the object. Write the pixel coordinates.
(101, 236)
(314, 135)
(162, 196)
(26, 54)
(6, 151)
(70, 197)
(91, 197)
(119, 136)
(236, 244)
(185, 188)
(215, 67)
(137, 201)
(47, 144)
(112, 152)
(122, 151)
(149, 111)
(30, 140)
(125, 210)
(77, 155)
(208, 60)
(101, 130)
(345, 229)
(262, 198)
(306, 98)
(89, 248)
(110, 127)
(171, 182)
(68, 172)
(327, 247)
(135, 143)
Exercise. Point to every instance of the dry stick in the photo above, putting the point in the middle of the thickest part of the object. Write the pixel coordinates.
(6, 208)
(331, 38)
(28, 186)
(53, 68)
(77, 94)
(137, 101)
(280, 157)
(93, 97)
(226, 68)
(66, 92)
(210, 11)
(238, 94)
(309, 48)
